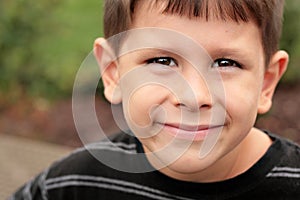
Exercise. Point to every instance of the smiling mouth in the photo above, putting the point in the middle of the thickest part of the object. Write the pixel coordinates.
(190, 132)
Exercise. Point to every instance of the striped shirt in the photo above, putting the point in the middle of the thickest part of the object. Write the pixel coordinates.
(82, 176)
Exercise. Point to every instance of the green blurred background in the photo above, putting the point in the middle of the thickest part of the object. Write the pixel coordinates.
(42, 44)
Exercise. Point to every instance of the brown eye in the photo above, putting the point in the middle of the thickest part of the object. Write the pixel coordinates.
(167, 61)
(223, 62)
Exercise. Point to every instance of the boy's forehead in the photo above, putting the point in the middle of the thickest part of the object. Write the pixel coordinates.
(143, 17)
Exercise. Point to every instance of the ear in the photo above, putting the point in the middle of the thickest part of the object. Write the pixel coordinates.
(109, 70)
(277, 66)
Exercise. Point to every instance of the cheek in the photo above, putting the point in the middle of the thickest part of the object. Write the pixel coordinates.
(242, 101)
(138, 105)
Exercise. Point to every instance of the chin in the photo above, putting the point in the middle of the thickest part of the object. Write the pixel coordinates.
(191, 165)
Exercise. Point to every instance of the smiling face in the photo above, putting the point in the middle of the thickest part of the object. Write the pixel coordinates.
(173, 101)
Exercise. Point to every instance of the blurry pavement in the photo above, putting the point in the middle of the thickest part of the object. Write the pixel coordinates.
(21, 159)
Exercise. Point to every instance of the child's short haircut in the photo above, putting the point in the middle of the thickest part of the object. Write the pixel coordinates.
(267, 14)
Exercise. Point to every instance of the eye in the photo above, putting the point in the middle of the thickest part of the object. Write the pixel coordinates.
(225, 62)
(168, 61)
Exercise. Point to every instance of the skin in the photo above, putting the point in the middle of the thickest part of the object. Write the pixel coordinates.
(248, 90)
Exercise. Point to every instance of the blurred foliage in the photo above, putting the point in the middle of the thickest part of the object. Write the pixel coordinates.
(291, 40)
(22, 23)
(42, 44)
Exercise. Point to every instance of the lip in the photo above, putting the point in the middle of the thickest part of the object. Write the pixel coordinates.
(189, 132)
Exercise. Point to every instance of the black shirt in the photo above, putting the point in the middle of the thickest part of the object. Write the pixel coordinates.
(82, 176)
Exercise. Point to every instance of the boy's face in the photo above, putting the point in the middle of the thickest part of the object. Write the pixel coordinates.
(162, 118)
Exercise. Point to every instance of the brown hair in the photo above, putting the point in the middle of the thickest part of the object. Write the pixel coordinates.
(267, 14)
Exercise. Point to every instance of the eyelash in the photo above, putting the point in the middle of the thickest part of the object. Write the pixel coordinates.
(229, 63)
(168, 61)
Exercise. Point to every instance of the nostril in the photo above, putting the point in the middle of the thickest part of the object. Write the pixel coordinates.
(205, 106)
(194, 107)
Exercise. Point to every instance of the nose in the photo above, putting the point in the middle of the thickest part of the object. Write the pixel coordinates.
(194, 95)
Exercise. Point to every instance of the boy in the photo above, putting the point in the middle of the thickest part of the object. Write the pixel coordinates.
(196, 138)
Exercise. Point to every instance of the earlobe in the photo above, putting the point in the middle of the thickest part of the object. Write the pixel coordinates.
(272, 75)
(109, 70)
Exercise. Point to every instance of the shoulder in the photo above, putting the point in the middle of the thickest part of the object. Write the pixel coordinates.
(89, 166)
(277, 173)
(289, 160)
(92, 157)
(284, 177)
(290, 151)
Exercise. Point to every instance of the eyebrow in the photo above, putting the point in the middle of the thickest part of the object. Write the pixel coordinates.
(154, 52)
(228, 52)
